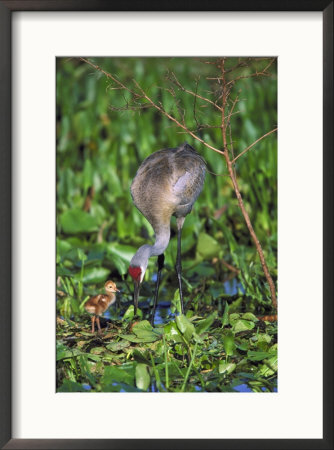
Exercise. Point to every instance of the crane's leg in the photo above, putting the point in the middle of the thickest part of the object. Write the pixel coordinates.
(93, 324)
(178, 267)
(161, 260)
(98, 324)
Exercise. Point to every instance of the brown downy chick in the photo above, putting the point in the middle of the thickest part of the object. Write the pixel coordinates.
(98, 304)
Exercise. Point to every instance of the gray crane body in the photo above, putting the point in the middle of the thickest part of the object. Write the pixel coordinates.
(167, 183)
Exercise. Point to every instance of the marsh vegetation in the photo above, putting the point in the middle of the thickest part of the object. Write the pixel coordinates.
(223, 342)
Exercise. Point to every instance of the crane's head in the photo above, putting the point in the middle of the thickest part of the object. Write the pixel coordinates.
(137, 269)
(110, 286)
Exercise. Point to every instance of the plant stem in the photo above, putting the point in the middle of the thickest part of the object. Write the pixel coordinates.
(166, 363)
(189, 368)
(156, 374)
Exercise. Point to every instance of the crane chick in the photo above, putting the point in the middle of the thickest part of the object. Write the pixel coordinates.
(167, 184)
(98, 304)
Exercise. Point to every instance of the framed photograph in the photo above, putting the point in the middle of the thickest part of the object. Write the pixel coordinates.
(166, 235)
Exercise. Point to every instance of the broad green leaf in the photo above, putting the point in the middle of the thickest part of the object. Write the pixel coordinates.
(129, 313)
(226, 367)
(229, 344)
(64, 352)
(75, 221)
(134, 338)
(233, 318)
(144, 330)
(205, 324)
(185, 326)
(94, 275)
(125, 252)
(250, 316)
(207, 246)
(243, 325)
(172, 333)
(143, 378)
(63, 246)
(118, 374)
(117, 346)
(269, 367)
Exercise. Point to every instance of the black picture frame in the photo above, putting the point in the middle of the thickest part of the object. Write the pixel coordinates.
(6, 9)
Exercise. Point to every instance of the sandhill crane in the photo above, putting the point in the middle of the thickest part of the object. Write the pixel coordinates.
(167, 183)
(98, 304)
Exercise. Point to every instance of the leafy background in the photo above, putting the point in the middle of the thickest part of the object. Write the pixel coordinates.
(100, 144)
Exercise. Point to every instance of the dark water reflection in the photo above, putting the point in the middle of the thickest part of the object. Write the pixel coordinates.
(163, 312)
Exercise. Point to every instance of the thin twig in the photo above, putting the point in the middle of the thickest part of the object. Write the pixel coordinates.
(195, 94)
(160, 108)
(252, 145)
(173, 119)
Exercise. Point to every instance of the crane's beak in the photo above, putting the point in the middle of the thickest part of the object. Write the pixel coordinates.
(135, 296)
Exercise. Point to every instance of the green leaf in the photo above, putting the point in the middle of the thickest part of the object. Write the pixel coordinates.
(117, 346)
(143, 378)
(76, 221)
(130, 312)
(134, 338)
(119, 374)
(250, 316)
(257, 356)
(81, 254)
(207, 246)
(140, 357)
(125, 252)
(204, 325)
(226, 367)
(176, 302)
(185, 326)
(225, 320)
(229, 344)
(269, 367)
(144, 330)
(172, 333)
(94, 275)
(64, 352)
(243, 325)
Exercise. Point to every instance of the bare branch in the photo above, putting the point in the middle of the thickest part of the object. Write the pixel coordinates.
(252, 145)
(195, 94)
(234, 180)
(142, 94)
(108, 75)
(262, 73)
(173, 119)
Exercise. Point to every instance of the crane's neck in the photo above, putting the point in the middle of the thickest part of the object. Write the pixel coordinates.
(162, 237)
(141, 257)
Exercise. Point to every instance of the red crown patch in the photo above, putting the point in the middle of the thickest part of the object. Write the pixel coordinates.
(135, 272)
